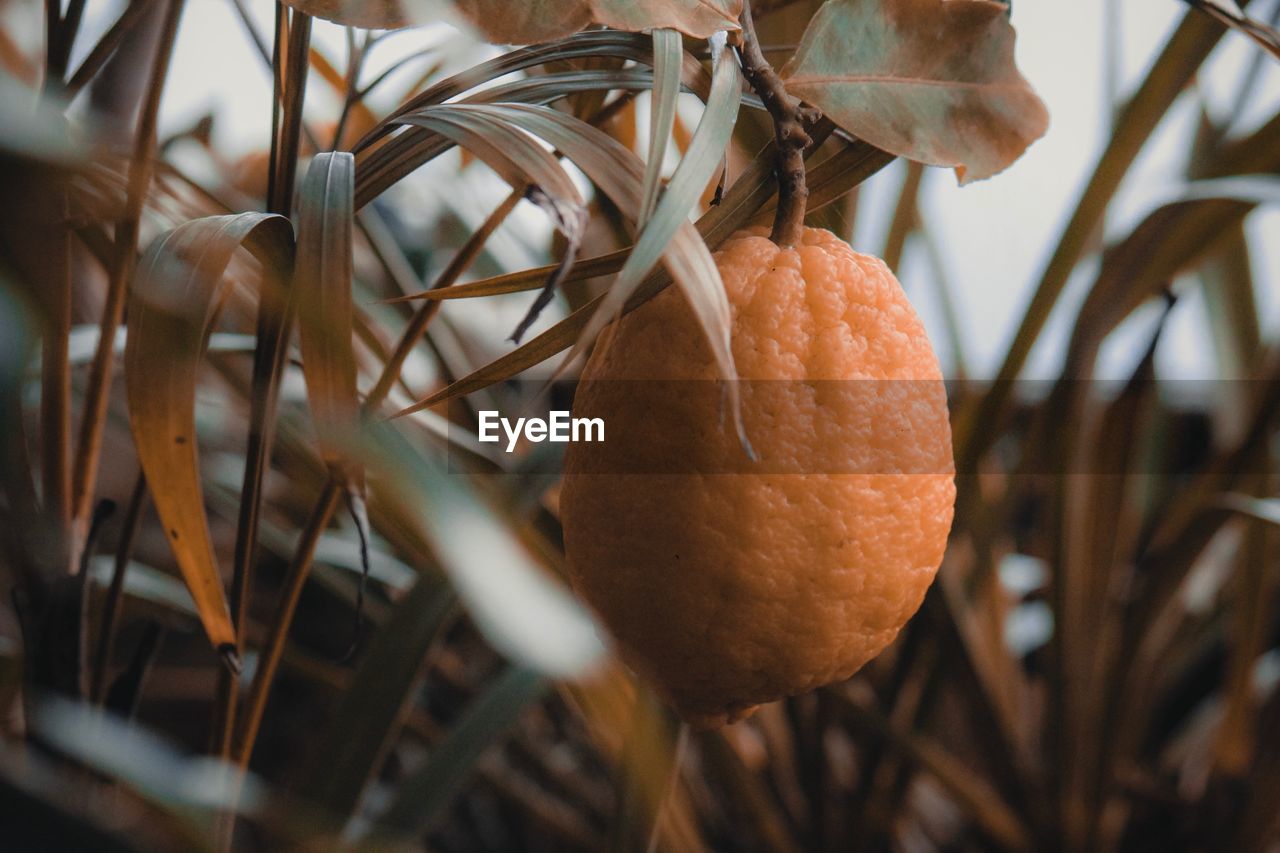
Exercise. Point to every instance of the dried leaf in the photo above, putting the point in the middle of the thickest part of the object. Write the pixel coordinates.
(1173, 238)
(667, 50)
(695, 274)
(619, 173)
(521, 161)
(697, 18)
(752, 189)
(929, 80)
(542, 20)
(323, 287)
(1183, 54)
(175, 294)
(370, 14)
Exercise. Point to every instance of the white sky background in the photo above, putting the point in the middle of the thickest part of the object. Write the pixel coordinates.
(994, 235)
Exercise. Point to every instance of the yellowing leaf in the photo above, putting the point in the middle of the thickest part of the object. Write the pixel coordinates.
(929, 80)
(175, 295)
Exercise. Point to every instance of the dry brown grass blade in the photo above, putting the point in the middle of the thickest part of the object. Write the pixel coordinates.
(1182, 55)
(174, 297)
(905, 216)
(102, 51)
(523, 163)
(1264, 35)
(292, 62)
(999, 822)
(602, 43)
(1174, 238)
(519, 282)
(322, 287)
(1238, 738)
(606, 702)
(264, 675)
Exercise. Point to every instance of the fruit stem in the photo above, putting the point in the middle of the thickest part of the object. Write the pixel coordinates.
(790, 136)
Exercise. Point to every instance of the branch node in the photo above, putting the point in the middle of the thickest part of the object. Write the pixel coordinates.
(790, 128)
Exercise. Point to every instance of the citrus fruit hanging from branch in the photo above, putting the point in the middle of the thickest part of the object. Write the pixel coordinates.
(732, 577)
(728, 583)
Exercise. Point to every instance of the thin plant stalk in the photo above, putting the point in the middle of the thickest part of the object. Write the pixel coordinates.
(104, 650)
(274, 324)
(101, 369)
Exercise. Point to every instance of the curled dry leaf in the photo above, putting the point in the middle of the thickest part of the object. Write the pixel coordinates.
(175, 296)
(929, 80)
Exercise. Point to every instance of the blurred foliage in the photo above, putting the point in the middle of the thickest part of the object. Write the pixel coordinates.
(317, 627)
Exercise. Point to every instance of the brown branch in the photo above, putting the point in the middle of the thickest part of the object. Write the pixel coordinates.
(790, 118)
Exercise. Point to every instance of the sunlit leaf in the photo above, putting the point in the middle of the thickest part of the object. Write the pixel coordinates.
(929, 80)
(175, 294)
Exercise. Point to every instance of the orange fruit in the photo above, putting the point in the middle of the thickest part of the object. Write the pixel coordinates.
(728, 582)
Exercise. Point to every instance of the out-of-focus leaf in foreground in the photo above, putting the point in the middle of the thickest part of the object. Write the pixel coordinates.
(175, 296)
(929, 80)
(523, 611)
(36, 129)
(143, 761)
